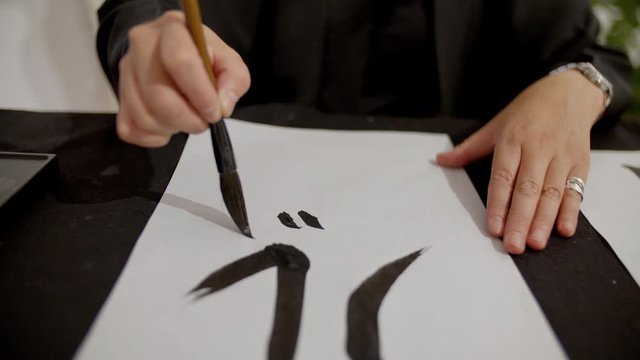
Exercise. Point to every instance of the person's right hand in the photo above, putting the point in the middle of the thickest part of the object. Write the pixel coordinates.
(164, 88)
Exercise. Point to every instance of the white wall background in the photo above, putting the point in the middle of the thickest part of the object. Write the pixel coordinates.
(48, 60)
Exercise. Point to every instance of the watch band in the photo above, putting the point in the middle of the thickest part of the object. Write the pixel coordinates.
(593, 75)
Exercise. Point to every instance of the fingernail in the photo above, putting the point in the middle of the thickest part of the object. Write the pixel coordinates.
(514, 243)
(566, 228)
(495, 226)
(446, 158)
(445, 153)
(228, 100)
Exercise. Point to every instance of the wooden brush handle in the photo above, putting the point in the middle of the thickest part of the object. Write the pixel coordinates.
(192, 13)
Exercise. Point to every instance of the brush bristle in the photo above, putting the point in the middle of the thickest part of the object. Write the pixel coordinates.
(234, 201)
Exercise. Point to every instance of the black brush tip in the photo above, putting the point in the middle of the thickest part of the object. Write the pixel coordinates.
(234, 201)
(247, 231)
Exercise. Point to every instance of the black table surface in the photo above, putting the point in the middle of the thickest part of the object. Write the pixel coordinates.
(62, 252)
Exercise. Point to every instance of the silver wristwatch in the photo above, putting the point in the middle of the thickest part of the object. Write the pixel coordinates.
(592, 74)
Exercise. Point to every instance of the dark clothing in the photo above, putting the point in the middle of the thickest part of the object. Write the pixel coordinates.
(401, 73)
(367, 56)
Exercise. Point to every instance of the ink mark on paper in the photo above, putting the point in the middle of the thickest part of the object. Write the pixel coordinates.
(292, 266)
(363, 340)
(635, 169)
(287, 220)
(310, 220)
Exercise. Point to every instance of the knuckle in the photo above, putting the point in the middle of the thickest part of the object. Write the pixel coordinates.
(124, 63)
(510, 137)
(200, 127)
(204, 108)
(518, 223)
(519, 231)
(193, 124)
(166, 109)
(156, 141)
(201, 105)
(180, 61)
(536, 228)
(236, 58)
(127, 133)
(137, 34)
(172, 16)
(192, 127)
(123, 130)
(543, 222)
(552, 192)
(497, 211)
(146, 123)
(162, 104)
(498, 207)
(244, 80)
(545, 141)
(242, 73)
(502, 177)
(528, 188)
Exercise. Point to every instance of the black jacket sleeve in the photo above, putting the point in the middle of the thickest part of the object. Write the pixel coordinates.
(116, 18)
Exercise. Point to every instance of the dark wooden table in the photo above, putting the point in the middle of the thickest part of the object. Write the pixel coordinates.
(61, 253)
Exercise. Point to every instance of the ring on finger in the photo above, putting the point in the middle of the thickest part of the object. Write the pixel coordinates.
(576, 184)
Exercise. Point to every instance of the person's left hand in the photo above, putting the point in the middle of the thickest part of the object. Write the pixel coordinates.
(539, 140)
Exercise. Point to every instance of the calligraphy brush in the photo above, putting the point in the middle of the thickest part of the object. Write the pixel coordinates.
(222, 149)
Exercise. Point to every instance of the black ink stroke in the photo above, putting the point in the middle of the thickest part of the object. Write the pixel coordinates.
(635, 169)
(310, 220)
(363, 341)
(287, 221)
(292, 266)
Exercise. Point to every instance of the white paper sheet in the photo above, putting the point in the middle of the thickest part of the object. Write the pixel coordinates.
(379, 197)
(612, 204)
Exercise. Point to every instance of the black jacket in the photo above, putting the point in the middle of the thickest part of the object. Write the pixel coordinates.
(315, 52)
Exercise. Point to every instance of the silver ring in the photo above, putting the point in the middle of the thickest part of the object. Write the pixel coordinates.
(576, 184)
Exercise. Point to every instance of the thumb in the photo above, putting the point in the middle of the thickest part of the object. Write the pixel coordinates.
(232, 75)
(476, 146)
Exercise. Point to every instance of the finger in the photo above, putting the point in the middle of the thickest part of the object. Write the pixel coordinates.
(182, 62)
(524, 201)
(131, 101)
(164, 102)
(232, 74)
(476, 146)
(158, 92)
(504, 168)
(128, 132)
(570, 206)
(548, 206)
